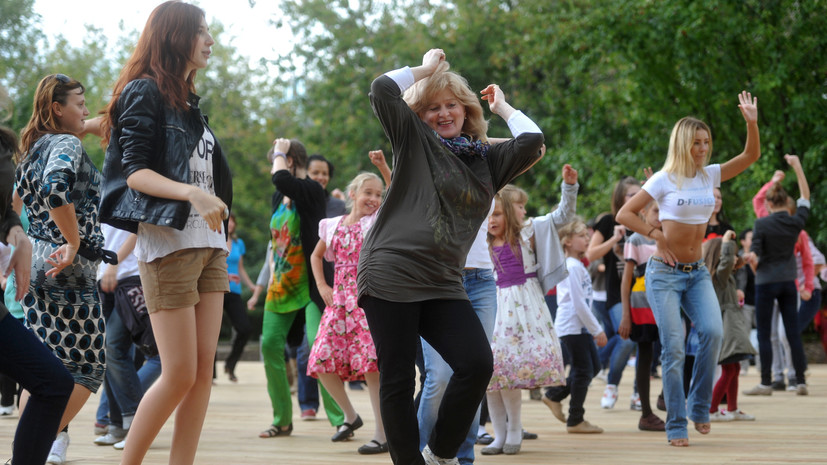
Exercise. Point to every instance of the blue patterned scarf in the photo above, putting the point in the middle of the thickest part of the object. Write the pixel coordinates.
(463, 145)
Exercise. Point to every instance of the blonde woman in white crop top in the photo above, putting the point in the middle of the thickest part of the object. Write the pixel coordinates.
(676, 276)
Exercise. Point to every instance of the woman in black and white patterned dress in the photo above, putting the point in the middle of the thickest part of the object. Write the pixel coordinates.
(59, 186)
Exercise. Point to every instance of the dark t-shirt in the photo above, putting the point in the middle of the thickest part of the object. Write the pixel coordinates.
(434, 206)
(614, 264)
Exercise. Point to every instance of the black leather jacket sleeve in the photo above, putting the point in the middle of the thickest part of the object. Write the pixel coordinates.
(141, 115)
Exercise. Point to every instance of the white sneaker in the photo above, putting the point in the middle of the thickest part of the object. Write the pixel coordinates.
(721, 415)
(738, 415)
(108, 439)
(634, 402)
(603, 375)
(431, 459)
(791, 387)
(57, 455)
(609, 396)
(4, 411)
(119, 445)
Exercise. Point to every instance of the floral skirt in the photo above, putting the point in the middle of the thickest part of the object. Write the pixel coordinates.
(526, 350)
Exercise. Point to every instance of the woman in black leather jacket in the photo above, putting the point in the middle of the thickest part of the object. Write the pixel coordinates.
(167, 180)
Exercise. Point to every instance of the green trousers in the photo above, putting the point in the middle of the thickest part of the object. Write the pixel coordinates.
(273, 339)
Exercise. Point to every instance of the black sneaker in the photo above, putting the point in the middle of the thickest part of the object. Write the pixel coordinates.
(778, 386)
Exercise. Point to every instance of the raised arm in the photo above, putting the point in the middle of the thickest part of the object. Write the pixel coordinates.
(567, 209)
(803, 187)
(377, 157)
(752, 148)
(759, 202)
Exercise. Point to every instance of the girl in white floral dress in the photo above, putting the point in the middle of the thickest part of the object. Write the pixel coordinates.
(528, 261)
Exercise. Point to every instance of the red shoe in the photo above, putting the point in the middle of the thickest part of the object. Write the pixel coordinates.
(308, 414)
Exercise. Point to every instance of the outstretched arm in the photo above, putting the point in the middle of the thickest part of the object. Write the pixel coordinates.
(752, 149)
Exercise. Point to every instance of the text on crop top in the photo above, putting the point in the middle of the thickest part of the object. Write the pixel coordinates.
(692, 202)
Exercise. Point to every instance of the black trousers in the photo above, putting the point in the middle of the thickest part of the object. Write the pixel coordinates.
(235, 309)
(585, 364)
(455, 331)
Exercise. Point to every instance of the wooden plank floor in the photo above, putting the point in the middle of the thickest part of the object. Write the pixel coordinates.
(789, 429)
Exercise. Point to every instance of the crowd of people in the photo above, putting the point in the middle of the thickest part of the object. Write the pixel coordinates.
(434, 263)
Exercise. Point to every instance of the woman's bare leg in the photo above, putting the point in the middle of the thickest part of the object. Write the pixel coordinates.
(189, 419)
(372, 379)
(336, 388)
(175, 334)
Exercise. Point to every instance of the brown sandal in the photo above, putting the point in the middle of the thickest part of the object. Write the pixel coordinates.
(274, 431)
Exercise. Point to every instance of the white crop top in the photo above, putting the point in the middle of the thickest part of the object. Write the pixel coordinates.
(692, 203)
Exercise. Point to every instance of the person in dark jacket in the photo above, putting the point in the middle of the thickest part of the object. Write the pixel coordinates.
(410, 269)
(772, 256)
(167, 180)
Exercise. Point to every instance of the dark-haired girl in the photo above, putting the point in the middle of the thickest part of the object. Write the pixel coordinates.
(167, 180)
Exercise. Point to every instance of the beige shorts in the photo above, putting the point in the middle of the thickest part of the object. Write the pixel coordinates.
(176, 280)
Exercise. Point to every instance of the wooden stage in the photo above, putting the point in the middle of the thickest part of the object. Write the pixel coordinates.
(789, 429)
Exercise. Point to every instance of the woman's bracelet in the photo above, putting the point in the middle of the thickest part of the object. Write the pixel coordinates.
(279, 154)
(649, 234)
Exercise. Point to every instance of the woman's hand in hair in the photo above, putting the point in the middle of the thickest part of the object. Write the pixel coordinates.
(728, 236)
(748, 106)
(496, 101)
(778, 176)
(430, 63)
(210, 207)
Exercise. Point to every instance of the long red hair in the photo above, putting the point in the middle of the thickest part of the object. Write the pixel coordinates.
(162, 54)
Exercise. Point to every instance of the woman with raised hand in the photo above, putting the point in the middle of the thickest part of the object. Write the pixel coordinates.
(166, 179)
(445, 175)
(774, 238)
(676, 277)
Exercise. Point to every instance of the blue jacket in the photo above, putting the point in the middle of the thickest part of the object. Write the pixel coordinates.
(149, 134)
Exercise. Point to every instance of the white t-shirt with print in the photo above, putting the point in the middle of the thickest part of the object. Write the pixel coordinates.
(159, 241)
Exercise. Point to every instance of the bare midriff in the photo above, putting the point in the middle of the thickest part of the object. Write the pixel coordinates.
(684, 240)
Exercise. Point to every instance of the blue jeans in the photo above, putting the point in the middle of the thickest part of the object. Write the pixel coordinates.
(308, 387)
(122, 381)
(482, 292)
(147, 374)
(622, 350)
(601, 312)
(26, 359)
(668, 290)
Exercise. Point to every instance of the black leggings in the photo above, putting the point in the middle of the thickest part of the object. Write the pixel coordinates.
(237, 312)
(585, 364)
(454, 330)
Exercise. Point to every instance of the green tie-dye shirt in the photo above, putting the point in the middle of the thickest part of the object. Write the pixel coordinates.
(289, 290)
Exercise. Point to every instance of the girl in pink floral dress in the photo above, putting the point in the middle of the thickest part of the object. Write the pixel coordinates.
(528, 260)
(344, 350)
